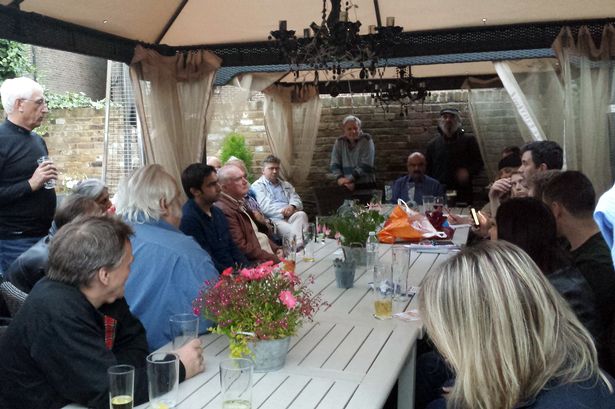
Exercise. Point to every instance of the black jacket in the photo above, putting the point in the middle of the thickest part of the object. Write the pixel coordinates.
(54, 351)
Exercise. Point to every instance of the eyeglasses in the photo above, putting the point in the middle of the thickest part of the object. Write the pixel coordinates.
(38, 102)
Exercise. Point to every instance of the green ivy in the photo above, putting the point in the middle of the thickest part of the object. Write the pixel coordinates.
(13, 61)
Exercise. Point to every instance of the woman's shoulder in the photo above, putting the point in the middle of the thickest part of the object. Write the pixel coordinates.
(594, 393)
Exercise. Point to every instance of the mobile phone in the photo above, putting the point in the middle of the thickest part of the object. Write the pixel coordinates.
(474, 215)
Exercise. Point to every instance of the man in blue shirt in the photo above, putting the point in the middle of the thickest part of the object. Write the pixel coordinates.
(416, 182)
(169, 267)
(205, 222)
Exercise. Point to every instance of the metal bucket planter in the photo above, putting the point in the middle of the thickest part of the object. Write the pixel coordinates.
(270, 354)
(344, 273)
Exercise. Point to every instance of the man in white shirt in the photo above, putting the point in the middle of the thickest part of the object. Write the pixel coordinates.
(279, 201)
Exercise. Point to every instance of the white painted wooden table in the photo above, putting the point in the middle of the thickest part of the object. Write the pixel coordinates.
(344, 359)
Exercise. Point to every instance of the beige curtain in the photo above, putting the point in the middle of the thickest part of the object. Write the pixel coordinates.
(292, 116)
(588, 74)
(172, 96)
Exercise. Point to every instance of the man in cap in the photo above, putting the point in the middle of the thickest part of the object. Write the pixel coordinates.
(452, 157)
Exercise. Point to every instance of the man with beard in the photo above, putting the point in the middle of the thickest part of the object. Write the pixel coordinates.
(452, 157)
(416, 182)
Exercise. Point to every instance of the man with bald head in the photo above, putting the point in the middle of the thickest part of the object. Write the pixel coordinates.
(416, 181)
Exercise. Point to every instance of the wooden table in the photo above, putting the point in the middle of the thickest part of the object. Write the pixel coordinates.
(344, 359)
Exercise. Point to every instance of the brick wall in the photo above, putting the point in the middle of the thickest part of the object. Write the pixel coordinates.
(62, 71)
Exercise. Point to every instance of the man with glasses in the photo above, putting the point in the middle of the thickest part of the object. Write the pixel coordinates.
(26, 206)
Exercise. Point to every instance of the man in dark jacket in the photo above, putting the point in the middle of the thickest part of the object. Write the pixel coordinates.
(452, 157)
(75, 324)
(205, 222)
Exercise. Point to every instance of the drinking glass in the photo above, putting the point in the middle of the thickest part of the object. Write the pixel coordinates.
(383, 291)
(309, 234)
(184, 327)
(376, 199)
(236, 383)
(401, 264)
(51, 183)
(388, 192)
(163, 379)
(290, 250)
(121, 386)
(428, 202)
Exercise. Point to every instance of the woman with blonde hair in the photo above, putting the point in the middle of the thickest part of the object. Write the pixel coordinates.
(509, 337)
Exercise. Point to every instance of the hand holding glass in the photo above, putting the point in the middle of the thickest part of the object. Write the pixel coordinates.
(51, 183)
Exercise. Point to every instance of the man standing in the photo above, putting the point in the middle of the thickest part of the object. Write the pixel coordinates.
(205, 222)
(352, 157)
(279, 201)
(452, 157)
(75, 324)
(255, 245)
(26, 207)
(416, 181)
(572, 199)
(169, 267)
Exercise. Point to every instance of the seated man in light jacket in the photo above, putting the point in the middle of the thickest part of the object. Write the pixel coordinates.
(279, 201)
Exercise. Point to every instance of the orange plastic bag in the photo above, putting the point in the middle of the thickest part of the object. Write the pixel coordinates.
(398, 228)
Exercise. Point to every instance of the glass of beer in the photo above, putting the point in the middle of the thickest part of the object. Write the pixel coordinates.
(121, 386)
(383, 291)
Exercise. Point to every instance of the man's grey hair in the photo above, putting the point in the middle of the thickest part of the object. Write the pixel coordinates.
(271, 159)
(139, 197)
(89, 188)
(17, 88)
(224, 173)
(84, 246)
(351, 118)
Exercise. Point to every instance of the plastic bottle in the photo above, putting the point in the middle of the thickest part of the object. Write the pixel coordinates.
(371, 251)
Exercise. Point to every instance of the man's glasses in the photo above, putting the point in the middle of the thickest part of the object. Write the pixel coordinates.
(38, 102)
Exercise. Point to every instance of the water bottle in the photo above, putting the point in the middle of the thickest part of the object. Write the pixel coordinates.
(371, 251)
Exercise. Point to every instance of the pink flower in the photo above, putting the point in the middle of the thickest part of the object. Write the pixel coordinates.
(288, 299)
(228, 271)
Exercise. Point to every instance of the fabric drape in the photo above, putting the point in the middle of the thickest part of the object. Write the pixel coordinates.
(172, 96)
(588, 72)
(292, 116)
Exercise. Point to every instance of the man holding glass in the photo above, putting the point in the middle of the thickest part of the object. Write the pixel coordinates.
(75, 324)
(27, 204)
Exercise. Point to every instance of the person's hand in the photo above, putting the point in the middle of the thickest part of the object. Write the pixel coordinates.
(349, 186)
(44, 172)
(191, 356)
(462, 176)
(343, 181)
(499, 188)
(484, 224)
(288, 211)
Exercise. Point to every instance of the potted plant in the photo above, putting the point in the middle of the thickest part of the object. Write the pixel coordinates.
(352, 225)
(258, 308)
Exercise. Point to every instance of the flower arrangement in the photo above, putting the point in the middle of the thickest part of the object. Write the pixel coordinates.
(353, 222)
(263, 302)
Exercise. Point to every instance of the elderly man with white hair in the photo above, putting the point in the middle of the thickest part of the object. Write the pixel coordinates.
(169, 267)
(26, 207)
(352, 157)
